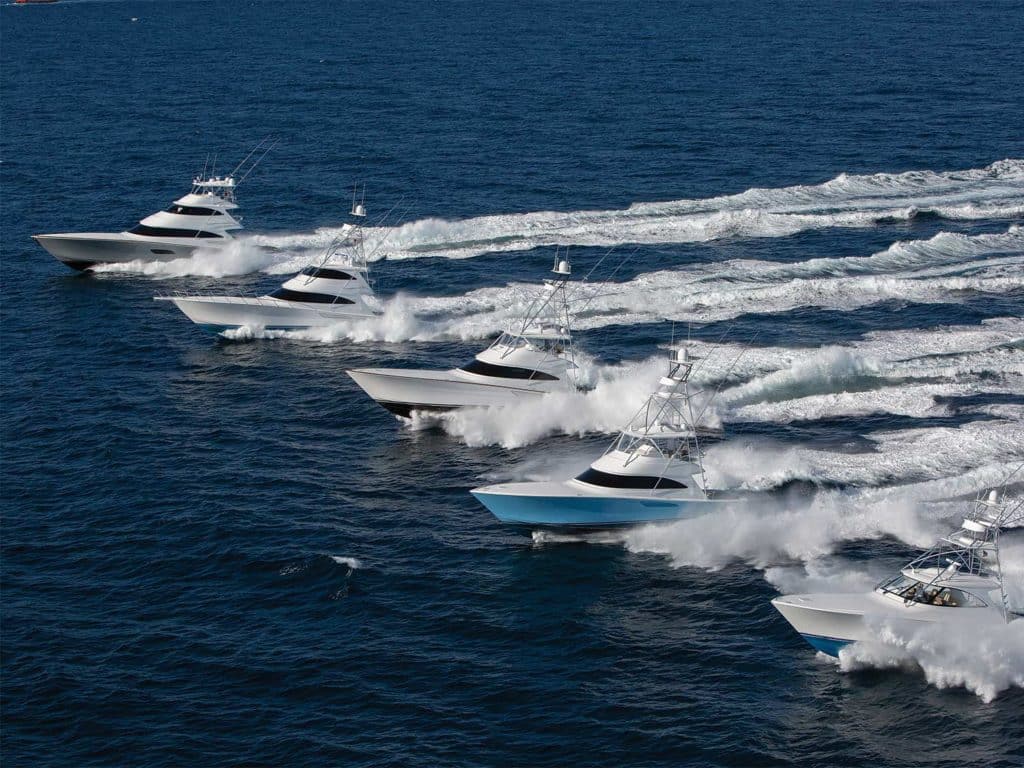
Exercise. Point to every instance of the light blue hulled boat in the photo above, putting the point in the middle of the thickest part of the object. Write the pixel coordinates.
(651, 473)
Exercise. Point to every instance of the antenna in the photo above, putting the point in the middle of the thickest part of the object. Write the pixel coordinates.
(358, 208)
(562, 266)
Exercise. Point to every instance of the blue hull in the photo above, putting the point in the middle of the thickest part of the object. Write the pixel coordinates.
(829, 645)
(587, 511)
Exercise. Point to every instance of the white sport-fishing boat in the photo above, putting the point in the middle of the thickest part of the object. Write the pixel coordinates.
(651, 473)
(957, 581)
(201, 219)
(334, 289)
(526, 361)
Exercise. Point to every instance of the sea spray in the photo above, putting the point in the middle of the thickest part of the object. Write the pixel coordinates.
(764, 531)
(618, 392)
(238, 257)
(985, 661)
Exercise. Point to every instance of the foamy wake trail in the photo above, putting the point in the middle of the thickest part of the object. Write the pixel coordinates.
(905, 457)
(618, 392)
(946, 268)
(950, 656)
(779, 385)
(996, 191)
(844, 381)
(765, 532)
(239, 257)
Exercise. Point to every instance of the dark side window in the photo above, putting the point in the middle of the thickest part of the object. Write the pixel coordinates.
(607, 480)
(330, 274)
(313, 298)
(189, 210)
(506, 371)
(142, 229)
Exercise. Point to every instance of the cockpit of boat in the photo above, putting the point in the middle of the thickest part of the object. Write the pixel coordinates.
(913, 590)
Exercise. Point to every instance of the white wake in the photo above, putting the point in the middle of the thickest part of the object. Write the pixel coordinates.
(848, 200)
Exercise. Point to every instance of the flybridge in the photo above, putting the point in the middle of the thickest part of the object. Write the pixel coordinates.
(224, 186)
(221, 186)
(546, 328)
(973, 549)
(665, 426)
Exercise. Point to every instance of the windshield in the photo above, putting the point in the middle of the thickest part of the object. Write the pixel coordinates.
(510, 341)
(553, 346)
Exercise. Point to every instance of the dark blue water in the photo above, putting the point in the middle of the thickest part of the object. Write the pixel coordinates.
(222, 552)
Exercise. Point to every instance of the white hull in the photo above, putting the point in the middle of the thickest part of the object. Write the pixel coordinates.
(829, 622)
(219, 313)
(82, 251)
(404, 391)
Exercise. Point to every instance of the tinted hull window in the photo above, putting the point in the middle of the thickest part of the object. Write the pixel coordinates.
(506, 371)
(607, 480)
(190, 210)
(142, 229)
(312, 298)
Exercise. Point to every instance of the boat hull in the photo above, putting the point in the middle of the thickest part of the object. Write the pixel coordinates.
(824, 630)
(83, 252)
(589, 512)
(222, 313)
(829, 622)
(403, 391)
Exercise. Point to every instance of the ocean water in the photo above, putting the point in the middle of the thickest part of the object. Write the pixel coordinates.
(220, 551)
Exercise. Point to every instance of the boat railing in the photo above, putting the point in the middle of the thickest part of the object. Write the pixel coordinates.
(973, 548)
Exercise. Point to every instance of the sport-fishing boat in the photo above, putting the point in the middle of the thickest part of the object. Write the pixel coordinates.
(652, 472)
(524, 362)
(957, 581)
(201, 219)
(334, 289)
